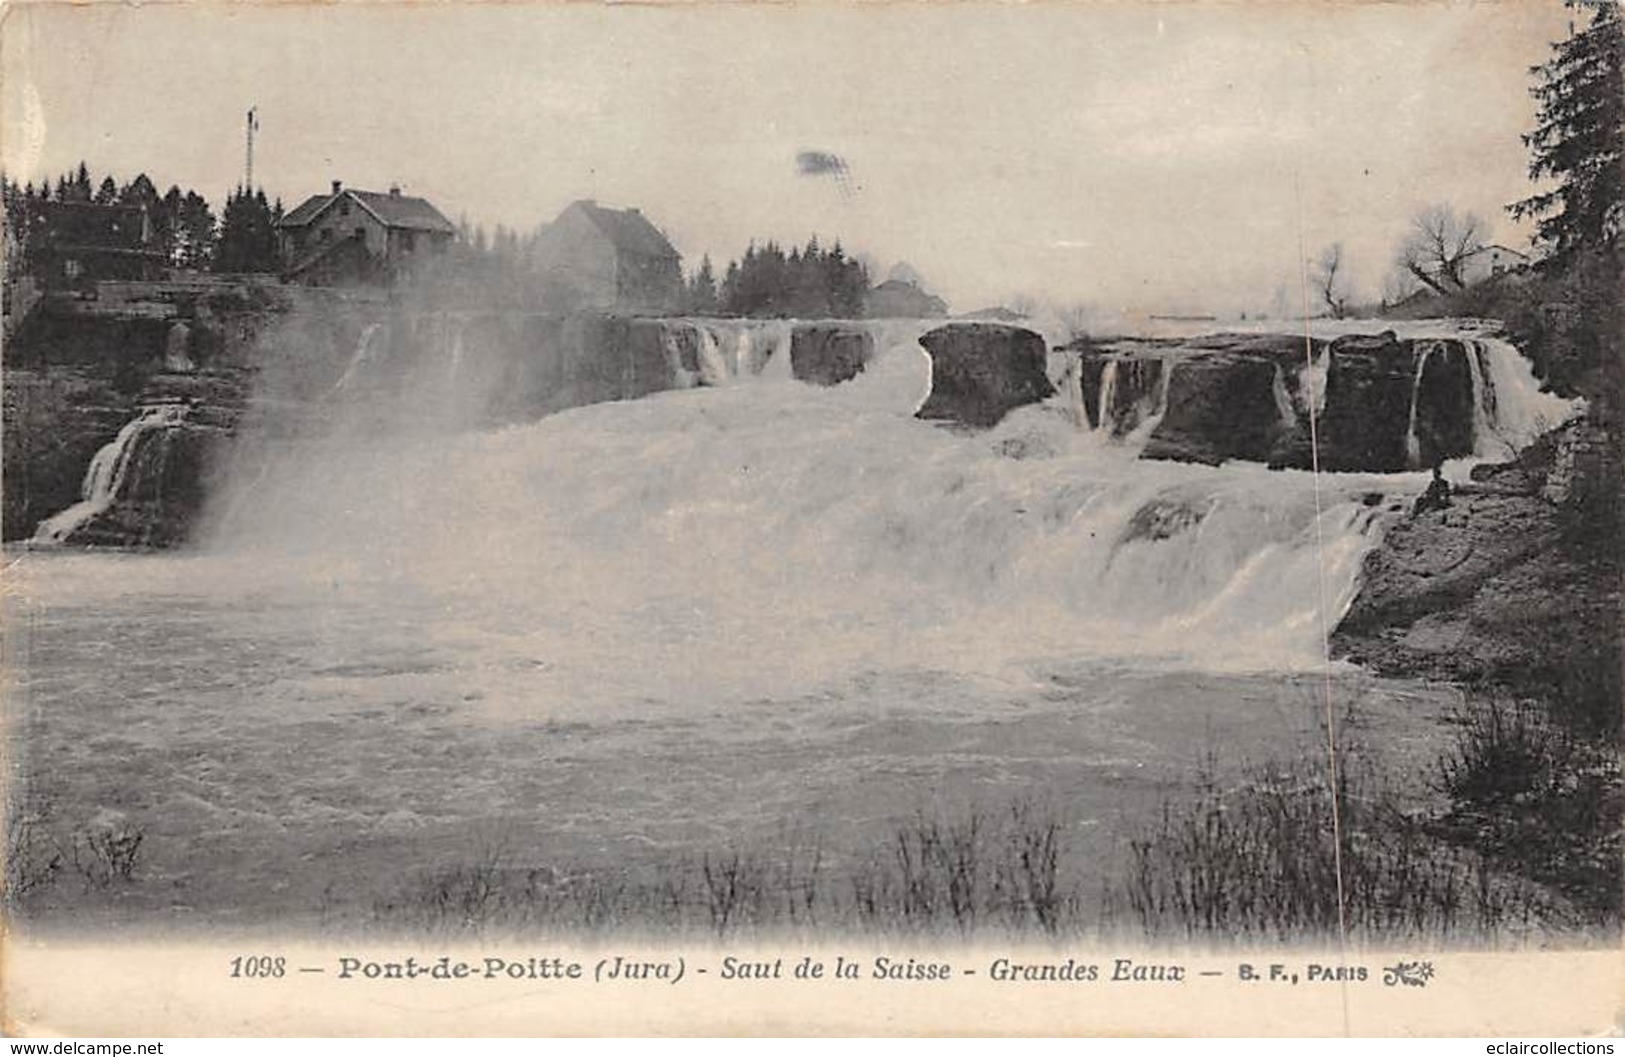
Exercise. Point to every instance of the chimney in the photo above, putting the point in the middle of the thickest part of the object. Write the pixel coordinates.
(394, 190)
(338, 185)
(635, 211)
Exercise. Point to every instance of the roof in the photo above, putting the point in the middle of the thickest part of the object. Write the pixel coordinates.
(1495, 246)
(628, 229)
(391, 210)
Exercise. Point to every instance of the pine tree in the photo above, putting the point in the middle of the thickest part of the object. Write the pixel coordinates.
(195, 232)
(107, 193)
(247, 235)
(1579, 137)
(702, 290)
(140, 192)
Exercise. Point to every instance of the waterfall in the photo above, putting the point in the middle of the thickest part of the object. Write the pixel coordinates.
(777, 365)
(641, 532)
(1312, 381)
(108, 472)
(714, 370)
(1483, 402)
(1152, 419)
(1107, 396)
(363, 353)
(1283, 399)
(1413, 444)
(743, 352)
(1072, 385)
(1508, 397)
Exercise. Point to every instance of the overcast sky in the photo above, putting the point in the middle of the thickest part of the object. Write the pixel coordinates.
(1156, 158)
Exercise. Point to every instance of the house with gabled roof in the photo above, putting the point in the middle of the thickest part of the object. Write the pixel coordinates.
(352, 236)
(1490, 260)
(615, 260)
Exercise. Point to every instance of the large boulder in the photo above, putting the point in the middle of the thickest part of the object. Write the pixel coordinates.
(829, 353)
(164, 487)
(1221, 406)
(1368, 404)
(982, 371)
(1443, 394)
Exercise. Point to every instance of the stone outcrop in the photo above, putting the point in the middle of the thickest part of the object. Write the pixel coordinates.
(980, 372)
(1382, 405)
(164, 484)
(1219, 408)
(829, 353)
(1503, 585)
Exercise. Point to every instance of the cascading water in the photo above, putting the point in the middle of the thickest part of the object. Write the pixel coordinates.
(364, 349)
(1413, 444)
(666, 529)
(1312, 381)
(733, 491)
(106, 476)
(732, 350)
(1108, 395)
(1283, 399)
(1509, 409)
(714, 370)
(742, 352)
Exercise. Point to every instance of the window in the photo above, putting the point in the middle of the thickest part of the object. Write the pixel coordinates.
(407, 242)
(71, 268)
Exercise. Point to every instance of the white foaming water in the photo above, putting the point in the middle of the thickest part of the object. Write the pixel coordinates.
(1312, 381)
(761, 541)
(363, 353)
(1413, 444)
(1283, 399)
(1514, 409)
(105, 477)
(764, 540)
(1107, 396)
(714, 370)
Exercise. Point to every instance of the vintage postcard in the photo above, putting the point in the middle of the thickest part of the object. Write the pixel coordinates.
(812, 518)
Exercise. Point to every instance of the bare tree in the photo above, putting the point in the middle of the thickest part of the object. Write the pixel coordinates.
(1331, 280)
(1440, 240)
(1399, 285)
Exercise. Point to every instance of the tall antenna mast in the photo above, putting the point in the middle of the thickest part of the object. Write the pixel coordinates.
(253, 124)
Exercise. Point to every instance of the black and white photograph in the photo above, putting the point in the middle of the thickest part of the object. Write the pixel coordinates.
(965, 503)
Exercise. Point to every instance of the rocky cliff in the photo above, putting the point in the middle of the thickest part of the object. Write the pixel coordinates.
(1516, 582)
(1380, 404)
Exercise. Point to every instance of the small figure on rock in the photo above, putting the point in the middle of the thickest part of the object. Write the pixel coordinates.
(1437, 496)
